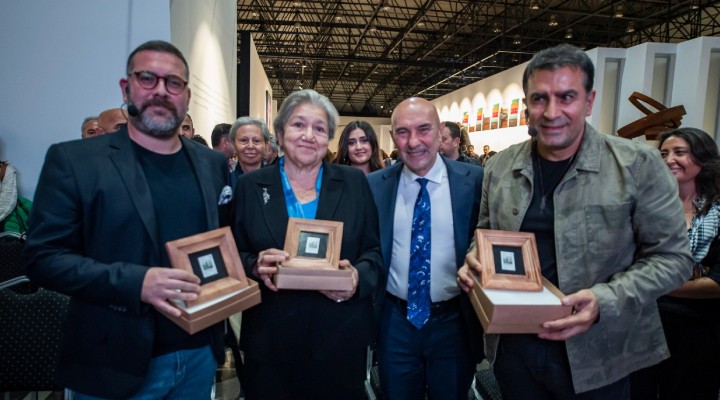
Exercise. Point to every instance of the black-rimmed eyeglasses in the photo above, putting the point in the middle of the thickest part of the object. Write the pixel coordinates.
(149, 80)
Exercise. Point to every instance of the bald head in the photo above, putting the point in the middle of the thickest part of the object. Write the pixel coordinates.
(416, 133)
(111, 120)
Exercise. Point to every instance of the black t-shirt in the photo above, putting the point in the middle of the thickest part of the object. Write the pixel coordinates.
(541, 220)
(180, 212)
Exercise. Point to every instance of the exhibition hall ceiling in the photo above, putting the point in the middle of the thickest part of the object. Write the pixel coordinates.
(368, 55)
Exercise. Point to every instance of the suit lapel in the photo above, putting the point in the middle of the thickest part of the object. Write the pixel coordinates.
(123, 157)
(202, 172)
(330, 193)
(271, 199)
(386, 208)
(460, 191)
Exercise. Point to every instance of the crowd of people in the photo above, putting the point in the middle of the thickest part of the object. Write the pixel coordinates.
(636, 257)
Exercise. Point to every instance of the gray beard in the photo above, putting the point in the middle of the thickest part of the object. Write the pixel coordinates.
(159, 128)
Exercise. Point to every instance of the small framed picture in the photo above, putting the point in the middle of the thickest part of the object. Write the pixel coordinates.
(313, 243)
(509, 260)
(213, 257)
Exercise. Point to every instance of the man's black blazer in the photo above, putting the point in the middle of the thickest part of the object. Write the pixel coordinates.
(93, 235)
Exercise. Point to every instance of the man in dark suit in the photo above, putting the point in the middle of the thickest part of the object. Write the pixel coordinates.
(429, 339)
(104, 209)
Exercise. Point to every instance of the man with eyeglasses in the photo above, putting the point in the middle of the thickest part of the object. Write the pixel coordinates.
(104, 209)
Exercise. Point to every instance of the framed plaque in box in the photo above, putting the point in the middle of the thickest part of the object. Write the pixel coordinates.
(512, 311)
(509, 260)
(224, 290)
(511, 296)
(314, 248)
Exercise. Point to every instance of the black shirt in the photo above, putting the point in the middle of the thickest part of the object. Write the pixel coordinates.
(180, 212)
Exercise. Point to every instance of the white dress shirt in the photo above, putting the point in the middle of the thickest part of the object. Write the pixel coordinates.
(443, 284)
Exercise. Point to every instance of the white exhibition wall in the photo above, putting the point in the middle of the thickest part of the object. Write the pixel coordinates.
(57, 71)
(205, 33)
(62, 61)
(262, 105)
(687, 73)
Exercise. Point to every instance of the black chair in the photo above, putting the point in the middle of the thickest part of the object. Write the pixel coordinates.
(11, 245)
(31, 332)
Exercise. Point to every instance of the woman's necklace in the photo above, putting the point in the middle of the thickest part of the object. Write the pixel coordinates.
(543, 193)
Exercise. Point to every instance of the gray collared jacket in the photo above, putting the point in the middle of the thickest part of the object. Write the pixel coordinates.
(619, 231)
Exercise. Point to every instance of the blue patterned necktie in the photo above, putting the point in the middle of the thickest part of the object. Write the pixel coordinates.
(418, 309)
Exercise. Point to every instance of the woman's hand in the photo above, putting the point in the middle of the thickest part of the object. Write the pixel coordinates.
(339, 296)
(266, 266)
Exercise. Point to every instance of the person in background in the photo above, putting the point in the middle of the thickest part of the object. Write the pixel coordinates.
(186, 128)
(471, 153)
(358, 147)
(111, 120)
(689, 314)
(220, 140)
(450, 137)
(609, 232)
(249, 136)
(271, 151)
(429, 339)
(89, 127)
(200, 139)
(486, 155)
(14, 209)
(104, 209)
(302, 344)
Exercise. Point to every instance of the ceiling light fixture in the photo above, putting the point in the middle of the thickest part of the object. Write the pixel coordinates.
(553, 20)
(619, 11)
(568, 34)
(694, 4)
(630, 28)
(516, 40)
(534, 5)
(496, 28)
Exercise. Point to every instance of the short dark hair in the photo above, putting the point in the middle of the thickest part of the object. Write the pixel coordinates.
(563, 55)
(199, 139)
(159, 46)
(704, 152)
(454, 129)
(218, 132)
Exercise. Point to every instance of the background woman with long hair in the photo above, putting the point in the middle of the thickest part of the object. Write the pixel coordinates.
(358, 147)
(691, 314)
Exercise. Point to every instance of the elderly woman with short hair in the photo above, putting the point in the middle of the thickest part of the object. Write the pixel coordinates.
(249, 136)
(304, 344)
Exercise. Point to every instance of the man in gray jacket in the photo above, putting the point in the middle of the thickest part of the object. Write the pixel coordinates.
(610, 234)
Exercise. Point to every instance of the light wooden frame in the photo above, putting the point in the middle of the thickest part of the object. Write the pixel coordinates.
(525, 241)
(334, 230)
(179, 252)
